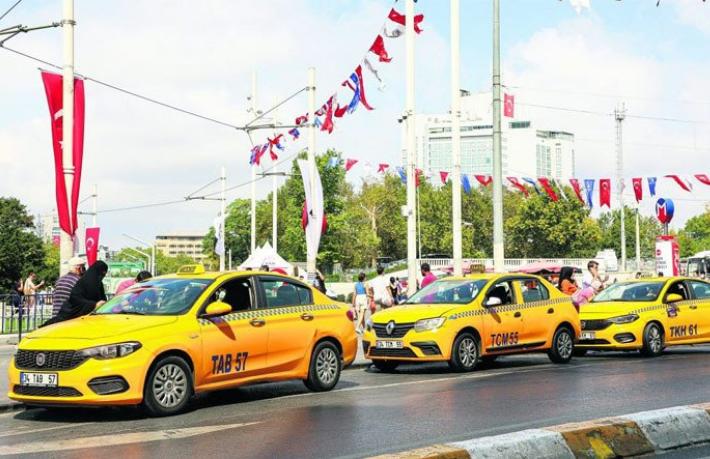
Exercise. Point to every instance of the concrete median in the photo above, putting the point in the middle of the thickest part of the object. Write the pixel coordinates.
(630, 435)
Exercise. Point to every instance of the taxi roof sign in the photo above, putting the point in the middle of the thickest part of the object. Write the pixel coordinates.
(191, 269)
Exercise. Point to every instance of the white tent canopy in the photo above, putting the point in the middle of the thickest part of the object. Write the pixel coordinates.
(266, 255)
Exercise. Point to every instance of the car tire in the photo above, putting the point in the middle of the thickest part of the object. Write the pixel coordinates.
(465, 353)
(385, 366)
(168, 387)
(653, 341)
(562, 346)
(325, 367)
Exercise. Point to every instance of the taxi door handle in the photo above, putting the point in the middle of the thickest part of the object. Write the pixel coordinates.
(306, 316)
(257, 322)
(551, 311)
(517, 314)
(692, 306)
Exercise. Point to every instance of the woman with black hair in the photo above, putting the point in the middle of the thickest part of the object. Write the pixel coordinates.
(87, 295)
(567, 284)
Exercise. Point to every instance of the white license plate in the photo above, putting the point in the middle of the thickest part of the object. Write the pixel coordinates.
(389, 345)
(39, 379)
(588, 335)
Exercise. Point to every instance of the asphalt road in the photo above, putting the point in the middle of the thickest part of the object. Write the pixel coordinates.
(372, 413)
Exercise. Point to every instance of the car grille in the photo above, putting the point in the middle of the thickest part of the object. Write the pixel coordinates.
(398, 332)
(47, 391)
(54, 360)
(406, 352)
(599, 324)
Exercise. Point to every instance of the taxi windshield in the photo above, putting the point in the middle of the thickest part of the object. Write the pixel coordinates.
(630, 291)
(157, 297)
(448, 291)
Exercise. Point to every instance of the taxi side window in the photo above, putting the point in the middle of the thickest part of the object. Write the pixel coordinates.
(502, 291)
(279, 293)
(533, 290)
(701, 290)
(237, 293)
(678, 288)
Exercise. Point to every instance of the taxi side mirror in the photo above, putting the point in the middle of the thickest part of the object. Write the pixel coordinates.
(493, 301)
(216, 309)
(673, 297)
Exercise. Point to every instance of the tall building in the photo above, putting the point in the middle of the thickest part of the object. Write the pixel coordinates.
(181, 243)
(527, 149)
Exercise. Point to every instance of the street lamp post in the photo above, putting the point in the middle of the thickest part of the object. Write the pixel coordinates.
(411, 151)
(498, 248)
(152, 247)
(456, 137)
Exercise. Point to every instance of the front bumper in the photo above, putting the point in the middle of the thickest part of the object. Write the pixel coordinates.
(612, 337)
(427, 346)
(73, 385)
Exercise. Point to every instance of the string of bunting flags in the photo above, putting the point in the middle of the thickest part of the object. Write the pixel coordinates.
(352, 90)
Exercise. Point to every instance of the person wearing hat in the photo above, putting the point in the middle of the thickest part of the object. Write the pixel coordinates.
(66, 283)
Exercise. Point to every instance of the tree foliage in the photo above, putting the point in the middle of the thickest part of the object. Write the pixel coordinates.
(695, 236)
(21, 250)
(649, 228)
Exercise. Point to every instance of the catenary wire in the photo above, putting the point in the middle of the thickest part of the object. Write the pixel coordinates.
(10, 9)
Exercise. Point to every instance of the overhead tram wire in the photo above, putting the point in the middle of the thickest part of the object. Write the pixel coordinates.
(10, 9)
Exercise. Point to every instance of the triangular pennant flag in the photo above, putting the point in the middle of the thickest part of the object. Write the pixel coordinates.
(399, 18)
(375, 72)
(378, 48)
(519, 186)
(605, 192)
(484, 180)
(275, 142)
(444, 176)
(402, 174)
(328, 111)
(681, 183)
(577, 189)
(651, 185)
(334, 161)
(382, 168)
(548, 189)
(301, 119)
(703, 178)
(418, 173)
(589, 188)
(638, 188)
(562, 190)
(466, 183)
(295, 133)
(349, 163)
(533, 183)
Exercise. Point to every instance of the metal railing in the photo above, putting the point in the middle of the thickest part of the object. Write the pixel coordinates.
(24, 313)
(513, 263)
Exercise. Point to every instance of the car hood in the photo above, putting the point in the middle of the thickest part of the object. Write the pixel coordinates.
(412, 312)
(610, 308)
(98, 326)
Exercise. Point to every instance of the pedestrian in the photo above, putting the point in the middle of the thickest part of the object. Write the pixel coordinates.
(319, 282)
(428, 276)
(567, 284)
(30, 289)
(379, 291)
(592, 275)
(16, 296)
(361, 300)
(123, 285)
(66, 283)
(87, 295)
(400, 290)
(638, 275)
(393, 288)
(265, 268)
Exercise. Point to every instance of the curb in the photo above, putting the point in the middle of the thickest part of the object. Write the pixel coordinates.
(11, 406)
(631, 435)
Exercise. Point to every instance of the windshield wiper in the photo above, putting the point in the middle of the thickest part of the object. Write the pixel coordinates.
(130, 312)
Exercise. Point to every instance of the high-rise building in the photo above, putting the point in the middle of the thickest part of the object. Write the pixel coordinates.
(181, 243)
(527, 149)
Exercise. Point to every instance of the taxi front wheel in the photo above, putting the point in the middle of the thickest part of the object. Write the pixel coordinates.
(325, 367)
(464, 353)
(653, 341)
(562, 346)
(168, 387)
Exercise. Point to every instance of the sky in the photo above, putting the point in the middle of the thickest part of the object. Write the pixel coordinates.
(200, 56)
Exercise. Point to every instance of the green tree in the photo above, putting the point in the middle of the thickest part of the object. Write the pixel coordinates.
(695, 235)
(649, 228)
(48, 269)
(20, 249)
(237, 234)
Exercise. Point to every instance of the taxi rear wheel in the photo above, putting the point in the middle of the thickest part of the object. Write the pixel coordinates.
(653, 341)
(325, 367)
(168, 387)
(464, 353)
(562, 346)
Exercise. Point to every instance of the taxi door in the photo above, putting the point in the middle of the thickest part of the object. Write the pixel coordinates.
(291, 321)
(682, 316)
(700, 291)
(234, 345)
(502, 324)
(537, 313)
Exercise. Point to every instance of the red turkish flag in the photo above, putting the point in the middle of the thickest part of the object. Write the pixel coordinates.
(703, 178)
(681, 183)
(417, 177)
(509, 105)
(378, 48)
(577, 189)
(349, 163)
(399, 18)
(605, 192)
(382, 168)
(484, 180)
(548, 188)
(638, 188)
(91, 242)
(444, 176)
(519, 186)
(66, 209)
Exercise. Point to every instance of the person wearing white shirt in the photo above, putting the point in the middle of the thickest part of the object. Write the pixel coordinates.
(380, 291)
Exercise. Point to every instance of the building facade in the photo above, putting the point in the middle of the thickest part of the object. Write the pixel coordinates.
(527, 149)
(181, 243)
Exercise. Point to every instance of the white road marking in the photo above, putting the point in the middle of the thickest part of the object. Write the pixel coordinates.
(24, 430)
(114, 440)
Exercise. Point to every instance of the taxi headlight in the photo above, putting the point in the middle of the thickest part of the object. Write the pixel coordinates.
(428, 324)
(627, 319)
(110, 351)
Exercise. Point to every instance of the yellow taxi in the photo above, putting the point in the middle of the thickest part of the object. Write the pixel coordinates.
(647, 315)
(165, 339)
(463, 320)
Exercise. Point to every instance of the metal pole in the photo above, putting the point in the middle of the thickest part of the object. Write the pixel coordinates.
(93, 206)
(230, 259)
(153, 261)
(419, 229)
(456, 137)
(498, 241)
(411, 152)
(223, 217)
(274, 213)
(311, 261)
(619, 115)
(638, 241)
(66, 244)
(253, 170)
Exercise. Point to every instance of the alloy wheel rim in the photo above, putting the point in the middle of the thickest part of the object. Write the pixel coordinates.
(564, 345)
(654, 339)
(170, 385)
(467, 352)
(327, 366)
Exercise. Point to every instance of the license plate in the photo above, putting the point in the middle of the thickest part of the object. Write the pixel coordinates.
(588, 335)
(39, 379)
(390, 345)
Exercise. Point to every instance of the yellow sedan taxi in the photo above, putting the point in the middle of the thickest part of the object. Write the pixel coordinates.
(165, 339)
(647, 315)
(463, 320)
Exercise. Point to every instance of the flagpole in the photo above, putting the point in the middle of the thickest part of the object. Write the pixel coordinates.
(456, 136)
(411, 152)
(223, 219)
(66, 242)
(252, 245)
(311, 260)
(619, 115)
(638, 240)
(498, 241)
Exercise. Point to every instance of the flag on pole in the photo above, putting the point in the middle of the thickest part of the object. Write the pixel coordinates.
(484, 180)
(509, 105)
(375, 72)
(589, 188)
(681, 183)
(315, 212)
(301, 119)
(294, 133)
(519, 186)
(533, 183)
(418, 173)
(349, 163)
(356, 83)
(275, 142)
(91, 243)
(378, 48)
(545, 183)
(444, 176)
(219, 244)
(382, 168)
(577, 189)
(327, 111)
(402, 174)
(605, 192)
(399, 18)
(638, 188)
